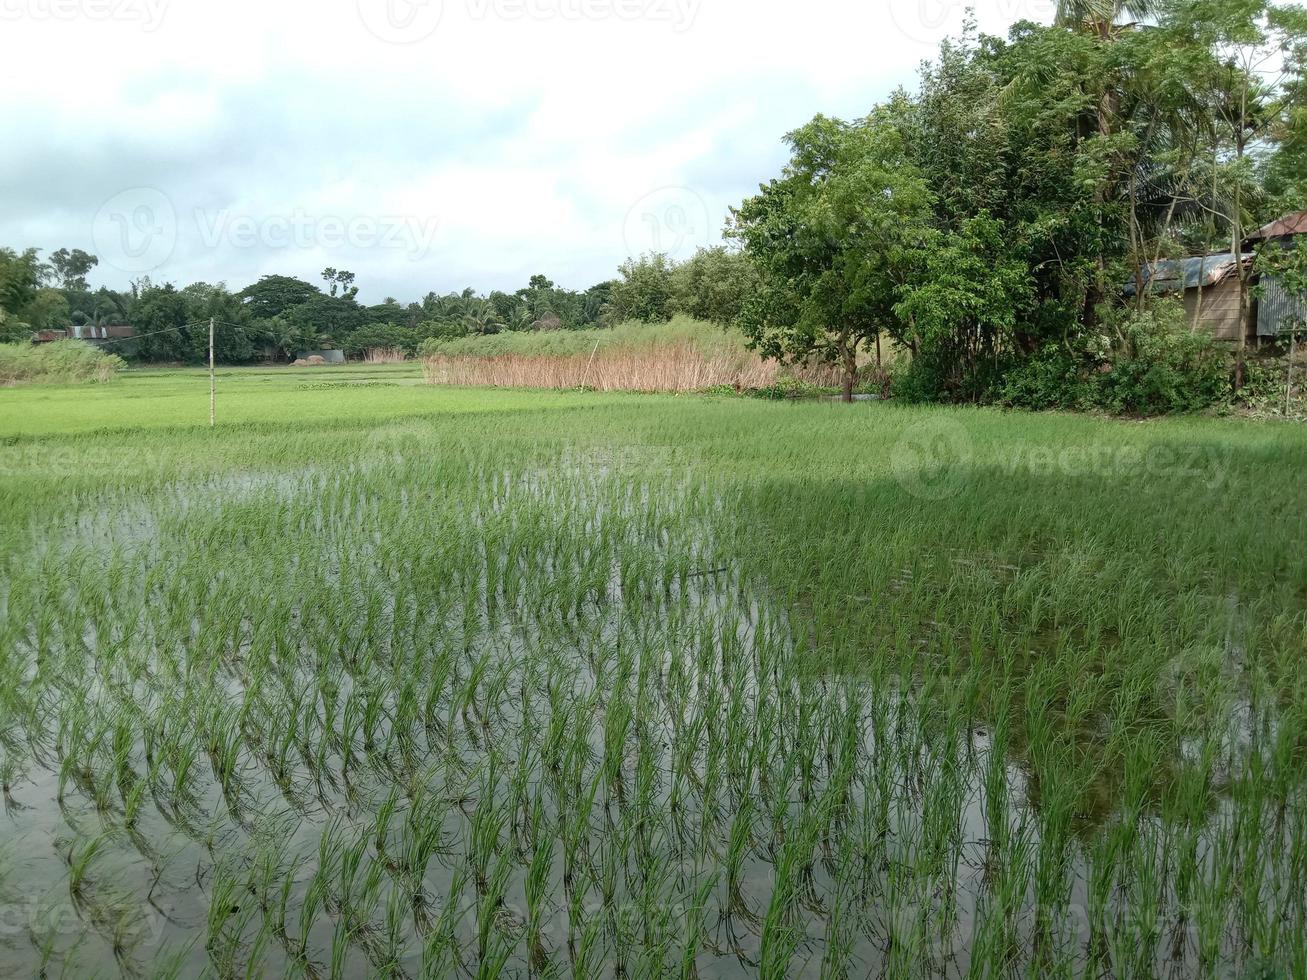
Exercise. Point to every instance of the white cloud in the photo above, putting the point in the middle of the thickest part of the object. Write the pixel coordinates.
(507, 136)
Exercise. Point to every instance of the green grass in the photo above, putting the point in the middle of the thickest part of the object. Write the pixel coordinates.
(562, 343)
(383, 679)
(164, 398)
(60, 362)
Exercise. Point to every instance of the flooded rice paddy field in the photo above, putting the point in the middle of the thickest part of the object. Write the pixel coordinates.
(696, 689)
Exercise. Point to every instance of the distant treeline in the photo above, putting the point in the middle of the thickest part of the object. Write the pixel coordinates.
(280, 316)
(987, 221)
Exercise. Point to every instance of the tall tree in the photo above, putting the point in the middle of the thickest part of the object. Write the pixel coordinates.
(340, 281)
(71, 266)
(21, 275)
(273, 296)
(831, 239)
(713, 285)
(644, 292)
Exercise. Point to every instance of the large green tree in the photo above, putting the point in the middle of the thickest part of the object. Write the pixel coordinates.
(832, 241)
(273, 295)
(71, 266)
(21, 276)
(713, 285)
(644, 292)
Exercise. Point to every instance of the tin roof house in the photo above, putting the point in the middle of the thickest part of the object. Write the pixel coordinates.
(96, 334)
(1209, 285)
(1276, 309)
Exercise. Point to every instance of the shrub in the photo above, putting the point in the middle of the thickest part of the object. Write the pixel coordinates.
(917, 381)
(1165, 367)
(440, 330)
(1157, 366)
(60, 361)
(1052, 377)
(14, 330)
(788, 387)
(381, 336)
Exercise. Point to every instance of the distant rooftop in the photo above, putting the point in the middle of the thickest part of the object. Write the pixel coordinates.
(1290, 224)
(1177, 275)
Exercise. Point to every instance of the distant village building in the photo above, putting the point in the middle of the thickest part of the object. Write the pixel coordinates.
(1275, 308)
(1209, 286)
(95, 334)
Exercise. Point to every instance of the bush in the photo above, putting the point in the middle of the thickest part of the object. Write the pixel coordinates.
(13, 330)
(1050, 378)
(437, 330)
(1166, 367)
(1158, 366)
(381, 336)
(917, 381)
(60, 361)
(789, 388)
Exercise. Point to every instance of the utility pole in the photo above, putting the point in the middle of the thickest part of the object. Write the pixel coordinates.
(213, 389)
(1288, 378)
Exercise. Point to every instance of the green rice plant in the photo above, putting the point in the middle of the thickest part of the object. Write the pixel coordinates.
(349, 682)
(80, 859)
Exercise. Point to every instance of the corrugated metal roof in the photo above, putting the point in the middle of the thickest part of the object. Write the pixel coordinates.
(1290, 224)
(1276, 309)
(1176, 275)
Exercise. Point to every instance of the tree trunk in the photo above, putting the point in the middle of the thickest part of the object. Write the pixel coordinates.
(1236, 233)
(1241, 357)
(1106, 113)
(849, 353)
(1288, 377)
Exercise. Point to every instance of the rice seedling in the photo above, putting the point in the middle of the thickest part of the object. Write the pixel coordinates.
(639, 686)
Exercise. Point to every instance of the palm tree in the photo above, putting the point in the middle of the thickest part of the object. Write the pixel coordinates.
(1101, 16)
(482, 319)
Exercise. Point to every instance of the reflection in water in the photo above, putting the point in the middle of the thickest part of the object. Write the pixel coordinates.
(347, 723)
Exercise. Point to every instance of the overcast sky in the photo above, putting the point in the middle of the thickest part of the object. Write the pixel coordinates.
(423, 144)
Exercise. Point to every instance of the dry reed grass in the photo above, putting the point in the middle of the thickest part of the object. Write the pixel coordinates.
(679, 367)
(384, 355)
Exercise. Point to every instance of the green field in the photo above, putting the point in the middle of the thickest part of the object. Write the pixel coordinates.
(381, 678)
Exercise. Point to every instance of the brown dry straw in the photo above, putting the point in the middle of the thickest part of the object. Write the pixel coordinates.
(678, 367)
